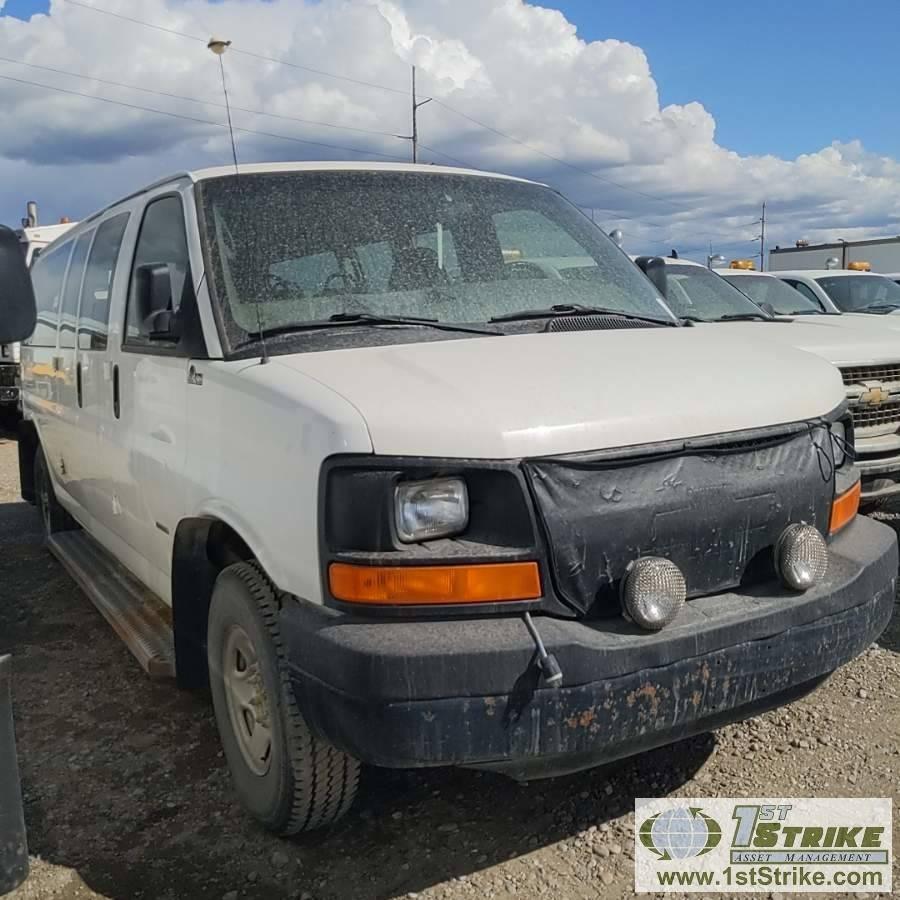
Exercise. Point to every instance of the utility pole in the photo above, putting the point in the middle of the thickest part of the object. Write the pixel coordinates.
(762, 239)
(416, 104)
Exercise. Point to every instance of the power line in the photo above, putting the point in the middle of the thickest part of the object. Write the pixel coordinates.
(382, 87)
(254, 112)
(173, 115)
(284, 62)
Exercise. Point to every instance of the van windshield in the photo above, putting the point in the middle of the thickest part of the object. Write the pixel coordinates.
(695, 292)
(862, 293)
(285, 249)
(785, 300)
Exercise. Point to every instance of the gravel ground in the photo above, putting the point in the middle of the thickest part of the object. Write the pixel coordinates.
(127, 794)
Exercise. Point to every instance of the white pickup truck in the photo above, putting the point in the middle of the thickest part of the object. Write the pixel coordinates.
(417, 469)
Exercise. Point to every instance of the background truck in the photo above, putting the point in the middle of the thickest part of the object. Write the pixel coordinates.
(33, 238)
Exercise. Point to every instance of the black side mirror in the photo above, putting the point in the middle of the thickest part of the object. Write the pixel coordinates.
(155, 301)
(154, 289)
(17, 310)
(767, 308)
(654, 268)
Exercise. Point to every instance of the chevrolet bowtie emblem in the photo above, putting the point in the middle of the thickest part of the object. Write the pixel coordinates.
(874, 395)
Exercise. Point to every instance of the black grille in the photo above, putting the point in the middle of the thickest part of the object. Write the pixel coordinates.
(712, 513)
(869, 417)
(8, 376)
(857, 374)
(597, 322)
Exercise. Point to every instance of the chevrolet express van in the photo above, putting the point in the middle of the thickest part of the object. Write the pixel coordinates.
(868, 359)
(417, 469)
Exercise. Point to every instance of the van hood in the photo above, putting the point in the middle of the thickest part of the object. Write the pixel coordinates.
(834, 338)
(543, 394)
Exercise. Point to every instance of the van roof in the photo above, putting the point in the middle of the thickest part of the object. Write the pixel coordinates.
(824, 273)
(306, 166)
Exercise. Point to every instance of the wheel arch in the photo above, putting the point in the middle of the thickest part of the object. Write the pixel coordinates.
(202, 547)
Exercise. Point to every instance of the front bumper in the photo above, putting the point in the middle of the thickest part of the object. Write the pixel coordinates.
(466, 692)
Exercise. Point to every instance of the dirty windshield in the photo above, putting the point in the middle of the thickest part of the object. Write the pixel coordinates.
(785, 300)
(862, 293)
(290, 249)
(695, 292)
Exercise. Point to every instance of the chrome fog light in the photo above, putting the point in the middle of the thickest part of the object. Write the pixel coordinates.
(653, 592)
(801, 557)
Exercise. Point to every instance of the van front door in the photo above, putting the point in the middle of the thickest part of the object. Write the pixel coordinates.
(152, 394)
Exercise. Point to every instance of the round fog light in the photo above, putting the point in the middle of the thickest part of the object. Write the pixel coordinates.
(801, 557)
(653, 591)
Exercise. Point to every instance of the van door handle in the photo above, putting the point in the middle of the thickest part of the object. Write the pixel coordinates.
(116, 407)
(78, 383)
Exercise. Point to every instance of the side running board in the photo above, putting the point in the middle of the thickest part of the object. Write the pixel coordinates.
(138, 616)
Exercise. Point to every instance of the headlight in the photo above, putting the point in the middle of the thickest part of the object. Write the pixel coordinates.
(839, 442)
(424, 510)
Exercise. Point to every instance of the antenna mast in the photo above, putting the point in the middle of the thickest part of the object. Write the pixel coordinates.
(416, 104)
(218, 46)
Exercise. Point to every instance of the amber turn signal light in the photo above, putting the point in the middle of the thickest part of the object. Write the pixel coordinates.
(428, 585)
(844, 509)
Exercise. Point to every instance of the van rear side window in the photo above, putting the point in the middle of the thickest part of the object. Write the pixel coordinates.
(47, 278)
(93, 321)
(72, 290)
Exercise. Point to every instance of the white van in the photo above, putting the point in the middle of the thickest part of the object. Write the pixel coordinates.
(868, 358)
(358, 444)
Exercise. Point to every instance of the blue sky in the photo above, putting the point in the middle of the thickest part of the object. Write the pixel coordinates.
(779, 77)
(782, 78)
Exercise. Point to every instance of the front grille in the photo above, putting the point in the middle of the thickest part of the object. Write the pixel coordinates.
(857, 374)
(872, 416)
(8, 376)
(597, 322)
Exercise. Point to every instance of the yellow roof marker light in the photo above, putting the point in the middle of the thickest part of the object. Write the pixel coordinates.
(859, 265)
(742, 264)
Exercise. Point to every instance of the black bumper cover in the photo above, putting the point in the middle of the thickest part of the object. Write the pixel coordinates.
(465, 692)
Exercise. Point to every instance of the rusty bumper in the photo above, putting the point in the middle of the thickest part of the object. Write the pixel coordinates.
(426, 693)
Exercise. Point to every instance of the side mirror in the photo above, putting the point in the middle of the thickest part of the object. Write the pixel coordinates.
(155, 301)
(154, 289)
(17, 310)
(655, 269)
(767, 308)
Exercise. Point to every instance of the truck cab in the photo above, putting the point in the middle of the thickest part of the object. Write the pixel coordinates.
(761, 305)
(413, 467)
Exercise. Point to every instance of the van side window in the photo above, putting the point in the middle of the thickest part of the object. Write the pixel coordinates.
(47, 278)
(72, 290)
(93, 319)
(162, 242)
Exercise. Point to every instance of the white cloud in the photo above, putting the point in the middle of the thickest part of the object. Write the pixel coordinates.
(521, 68)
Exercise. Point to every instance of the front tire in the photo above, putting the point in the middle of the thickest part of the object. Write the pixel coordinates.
(286, 777)
(53, 516)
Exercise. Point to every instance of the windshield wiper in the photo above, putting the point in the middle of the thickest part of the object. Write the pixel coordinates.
(575, 309)
(879, 306)
(339, 320)
(744, 317)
